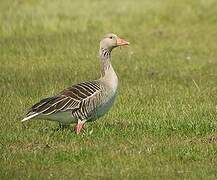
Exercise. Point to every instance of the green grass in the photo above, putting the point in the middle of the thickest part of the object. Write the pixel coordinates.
(164, 122)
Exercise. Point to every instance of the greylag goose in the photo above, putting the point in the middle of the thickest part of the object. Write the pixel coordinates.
(86, 101)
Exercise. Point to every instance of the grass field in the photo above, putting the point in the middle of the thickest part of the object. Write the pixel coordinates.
(164, 122)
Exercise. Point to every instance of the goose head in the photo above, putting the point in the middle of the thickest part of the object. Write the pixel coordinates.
(111, 41)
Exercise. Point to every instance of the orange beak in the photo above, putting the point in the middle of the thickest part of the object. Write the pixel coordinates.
(121, 42)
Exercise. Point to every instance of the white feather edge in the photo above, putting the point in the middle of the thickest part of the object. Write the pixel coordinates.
(29, 117)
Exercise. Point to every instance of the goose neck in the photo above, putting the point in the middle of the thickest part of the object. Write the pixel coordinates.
(105, 57)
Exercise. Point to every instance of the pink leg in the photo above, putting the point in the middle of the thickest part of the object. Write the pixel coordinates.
(79, 126)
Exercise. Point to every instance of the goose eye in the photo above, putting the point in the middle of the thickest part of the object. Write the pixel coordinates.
(110, 37)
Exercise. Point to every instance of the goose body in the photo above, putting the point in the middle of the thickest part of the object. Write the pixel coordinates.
(85, 101)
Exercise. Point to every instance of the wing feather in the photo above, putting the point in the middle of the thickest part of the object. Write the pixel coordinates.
(72, 98)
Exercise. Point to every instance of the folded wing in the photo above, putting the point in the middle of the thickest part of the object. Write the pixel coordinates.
(80, 97)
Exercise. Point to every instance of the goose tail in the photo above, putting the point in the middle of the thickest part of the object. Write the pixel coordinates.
(30, 116)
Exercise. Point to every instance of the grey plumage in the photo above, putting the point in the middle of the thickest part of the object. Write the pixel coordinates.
(81, 99)
(84, 101)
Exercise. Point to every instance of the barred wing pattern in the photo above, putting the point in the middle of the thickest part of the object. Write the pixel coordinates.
(81, 99)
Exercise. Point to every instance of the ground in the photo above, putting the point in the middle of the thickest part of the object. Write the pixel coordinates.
(164, 122)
